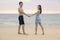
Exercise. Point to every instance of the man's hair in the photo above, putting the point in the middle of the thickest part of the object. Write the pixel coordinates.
(20, 2)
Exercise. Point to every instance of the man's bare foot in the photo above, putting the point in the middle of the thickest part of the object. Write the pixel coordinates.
(35, 33)
(25, 33)
(19, 33)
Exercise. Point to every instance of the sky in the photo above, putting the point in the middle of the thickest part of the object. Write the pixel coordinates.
(30, 6)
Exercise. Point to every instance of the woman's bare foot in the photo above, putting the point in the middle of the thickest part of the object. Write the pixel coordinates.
(43, 33)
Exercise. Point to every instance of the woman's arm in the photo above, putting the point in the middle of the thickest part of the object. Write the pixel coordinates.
(39, 11)
(35, 13)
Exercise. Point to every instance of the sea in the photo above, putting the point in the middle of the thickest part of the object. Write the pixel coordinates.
(46, 19)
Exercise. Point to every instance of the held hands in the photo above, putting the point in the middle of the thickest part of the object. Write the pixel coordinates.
(29, 15)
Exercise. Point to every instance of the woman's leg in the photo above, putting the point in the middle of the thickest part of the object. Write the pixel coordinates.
(36, 25)
(41, 28)
(19, 29)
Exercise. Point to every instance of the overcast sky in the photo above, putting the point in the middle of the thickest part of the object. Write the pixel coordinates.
(48, 6)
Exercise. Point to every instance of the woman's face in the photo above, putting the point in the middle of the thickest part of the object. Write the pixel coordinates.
(38, 7)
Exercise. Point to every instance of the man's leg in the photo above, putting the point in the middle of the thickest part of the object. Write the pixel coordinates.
(23, 28)
(19, 29)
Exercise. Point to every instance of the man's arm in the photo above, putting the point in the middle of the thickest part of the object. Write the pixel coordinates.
(21, 11)
(25, 14)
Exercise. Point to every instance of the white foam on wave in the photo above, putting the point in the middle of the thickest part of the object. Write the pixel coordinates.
(10, 23)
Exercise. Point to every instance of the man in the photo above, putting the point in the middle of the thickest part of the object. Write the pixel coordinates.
(21, 18)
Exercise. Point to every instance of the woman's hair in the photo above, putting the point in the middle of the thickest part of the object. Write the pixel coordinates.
(20, 2)
(39, 8)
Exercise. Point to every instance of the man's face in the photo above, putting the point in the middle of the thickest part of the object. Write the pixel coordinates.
(21, 4)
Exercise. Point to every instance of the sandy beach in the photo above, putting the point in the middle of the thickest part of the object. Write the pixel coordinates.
(9, 32)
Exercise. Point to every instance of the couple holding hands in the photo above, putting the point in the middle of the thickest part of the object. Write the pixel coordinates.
(21, 18)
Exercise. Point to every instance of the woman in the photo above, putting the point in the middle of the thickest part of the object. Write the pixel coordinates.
(38, 19)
